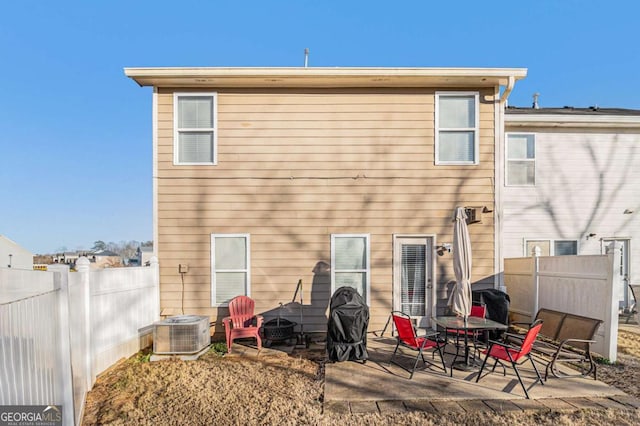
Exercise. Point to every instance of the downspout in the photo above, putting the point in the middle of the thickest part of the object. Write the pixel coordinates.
(498, 183)
(507, 90)
(154, 142)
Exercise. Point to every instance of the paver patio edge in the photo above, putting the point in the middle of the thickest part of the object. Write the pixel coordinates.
(498, 406)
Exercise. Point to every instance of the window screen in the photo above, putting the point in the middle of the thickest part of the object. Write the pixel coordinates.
(195, 128)
(230, 267)
(521, 164)
(456, 128)
(195, 147)
(565, 248)
(350, 262)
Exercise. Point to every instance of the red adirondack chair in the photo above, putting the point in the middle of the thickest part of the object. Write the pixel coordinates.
(241, 321)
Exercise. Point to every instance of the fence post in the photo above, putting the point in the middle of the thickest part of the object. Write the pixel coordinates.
(614, 251)
(155, 265)
(536, 252)
(82, 266)
(61, 282)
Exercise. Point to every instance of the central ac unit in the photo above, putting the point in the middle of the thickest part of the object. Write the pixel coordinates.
(182, 334)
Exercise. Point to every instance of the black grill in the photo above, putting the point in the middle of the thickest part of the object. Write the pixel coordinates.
(347, 327)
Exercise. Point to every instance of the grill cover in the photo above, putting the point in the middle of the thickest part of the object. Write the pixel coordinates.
(347, 327)
(497, 303)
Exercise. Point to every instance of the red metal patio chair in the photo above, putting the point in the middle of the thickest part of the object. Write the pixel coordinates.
(241, 322)
(503, 351)
(407, 337)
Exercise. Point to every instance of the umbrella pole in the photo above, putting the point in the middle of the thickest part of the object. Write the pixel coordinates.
(466, 341)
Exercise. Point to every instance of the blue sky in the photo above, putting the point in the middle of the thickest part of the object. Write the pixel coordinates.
(75, 133)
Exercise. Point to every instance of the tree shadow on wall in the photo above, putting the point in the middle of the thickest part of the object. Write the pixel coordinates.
(307, 305)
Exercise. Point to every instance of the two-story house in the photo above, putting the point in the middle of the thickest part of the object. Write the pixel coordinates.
(571, 184)
(336, 176)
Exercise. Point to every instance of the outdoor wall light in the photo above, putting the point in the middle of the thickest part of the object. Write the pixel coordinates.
(444, 247)
(591, 235)
(627, 211)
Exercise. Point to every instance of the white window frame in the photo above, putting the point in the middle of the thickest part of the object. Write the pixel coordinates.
(506, 159)
(552, 247)
(247, 238)
(475, 129)
(177, 131)
(366, 271)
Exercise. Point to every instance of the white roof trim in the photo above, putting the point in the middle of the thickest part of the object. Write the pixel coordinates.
(323, 77)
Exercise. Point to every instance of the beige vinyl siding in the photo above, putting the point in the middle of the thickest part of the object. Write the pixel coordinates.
(295, 167)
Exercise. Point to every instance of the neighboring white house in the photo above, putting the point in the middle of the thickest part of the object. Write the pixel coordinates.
(144, 254)
(572, 183)
(13, 255)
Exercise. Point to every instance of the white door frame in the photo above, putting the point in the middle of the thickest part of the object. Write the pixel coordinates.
(430, 273)
(626, 265)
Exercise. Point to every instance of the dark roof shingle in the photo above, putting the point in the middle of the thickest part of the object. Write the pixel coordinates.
(568, 110)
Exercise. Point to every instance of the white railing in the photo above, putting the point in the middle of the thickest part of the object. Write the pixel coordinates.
(59, 330)
(580, 285)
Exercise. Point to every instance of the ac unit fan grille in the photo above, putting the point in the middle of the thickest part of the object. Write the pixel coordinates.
(184, 334)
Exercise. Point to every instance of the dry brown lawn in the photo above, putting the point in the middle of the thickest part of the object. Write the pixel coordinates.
(289, 390)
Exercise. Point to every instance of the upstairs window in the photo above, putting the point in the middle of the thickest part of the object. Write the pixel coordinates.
(195, 128)
(457, 127)
(521, 160)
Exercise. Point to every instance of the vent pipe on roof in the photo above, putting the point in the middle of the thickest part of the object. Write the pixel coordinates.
(535, 100)
(306, 57)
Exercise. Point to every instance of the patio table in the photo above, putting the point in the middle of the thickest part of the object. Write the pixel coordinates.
(471, 324)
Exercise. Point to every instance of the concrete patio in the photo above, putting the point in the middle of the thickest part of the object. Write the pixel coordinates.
(378, 386)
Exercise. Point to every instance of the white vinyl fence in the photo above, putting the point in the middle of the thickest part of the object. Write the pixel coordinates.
(31, 340)
(580, 285)
(60, 329)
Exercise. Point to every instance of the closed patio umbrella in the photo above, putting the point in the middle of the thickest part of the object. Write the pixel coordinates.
(460, 300)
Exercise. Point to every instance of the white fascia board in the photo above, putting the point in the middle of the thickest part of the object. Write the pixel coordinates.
(517, 73)
(324, 77)
(562, 120)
